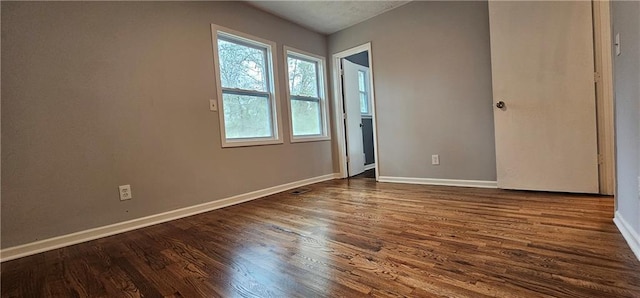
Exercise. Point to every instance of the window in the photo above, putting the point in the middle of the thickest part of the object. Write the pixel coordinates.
(246, 89)
(307, 101)
(362, 89)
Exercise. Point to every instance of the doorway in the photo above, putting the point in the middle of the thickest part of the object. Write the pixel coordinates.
(355, 114)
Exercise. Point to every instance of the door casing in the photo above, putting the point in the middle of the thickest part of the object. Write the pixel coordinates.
(338, 107)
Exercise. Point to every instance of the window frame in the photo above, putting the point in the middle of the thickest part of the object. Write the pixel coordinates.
(322, 94)
(271, 76)
(365, 92)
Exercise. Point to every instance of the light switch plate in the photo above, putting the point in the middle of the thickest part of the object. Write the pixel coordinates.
(213, 105)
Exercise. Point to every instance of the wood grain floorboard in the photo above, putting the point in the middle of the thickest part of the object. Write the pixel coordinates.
(354, 238)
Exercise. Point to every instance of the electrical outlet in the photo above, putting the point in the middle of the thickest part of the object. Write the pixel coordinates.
(435, 159)
(213, 105)
(125, 192)
(617, 45)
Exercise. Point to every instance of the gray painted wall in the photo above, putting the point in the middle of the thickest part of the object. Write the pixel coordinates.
(626, 21)
(99, 94)
(432, 71)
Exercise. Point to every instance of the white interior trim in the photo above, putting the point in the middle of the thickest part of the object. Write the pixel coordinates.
(339, 108)
(628, 233)
(604, 95)
(369, 166)
(274, 87)
(324, 91)
(446, 182)
(104, 231)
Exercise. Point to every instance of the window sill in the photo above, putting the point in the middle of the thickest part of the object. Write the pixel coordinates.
(231, 144)
(310, 139)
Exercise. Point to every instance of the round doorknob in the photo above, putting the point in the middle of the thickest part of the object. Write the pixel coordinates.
(500, 104)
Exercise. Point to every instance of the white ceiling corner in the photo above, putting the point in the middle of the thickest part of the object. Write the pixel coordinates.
(326, 16)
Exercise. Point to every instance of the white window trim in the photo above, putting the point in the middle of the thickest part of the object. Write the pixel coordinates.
(272, 73)
(324, 105)
(365, 70)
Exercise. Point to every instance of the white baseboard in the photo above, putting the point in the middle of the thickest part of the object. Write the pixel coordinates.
(628, 233)
(446, 182)
(104, 231)
(369, 166)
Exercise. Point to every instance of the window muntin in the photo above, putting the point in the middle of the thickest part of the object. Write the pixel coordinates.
(307, 104)
(245, 72)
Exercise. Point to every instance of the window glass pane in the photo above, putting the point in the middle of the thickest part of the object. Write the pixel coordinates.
(361, 86)
(303, 77)
(246, 116)
(364, 103)
(306, 117)
(241, 66)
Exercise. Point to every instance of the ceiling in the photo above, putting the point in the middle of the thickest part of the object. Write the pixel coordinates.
(326, 16)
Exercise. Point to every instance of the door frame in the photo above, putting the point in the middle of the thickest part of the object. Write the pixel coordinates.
(604, 95)
(339, 112)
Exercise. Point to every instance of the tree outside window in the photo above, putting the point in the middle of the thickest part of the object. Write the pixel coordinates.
(306, 95)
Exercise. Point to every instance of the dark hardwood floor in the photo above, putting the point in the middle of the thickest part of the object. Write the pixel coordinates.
(354, 238)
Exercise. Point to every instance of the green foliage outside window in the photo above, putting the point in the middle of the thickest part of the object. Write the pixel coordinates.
(243, 69)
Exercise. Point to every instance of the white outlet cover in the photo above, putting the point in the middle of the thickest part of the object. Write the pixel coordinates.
(435, 159)
(125, 192)
(617, 44)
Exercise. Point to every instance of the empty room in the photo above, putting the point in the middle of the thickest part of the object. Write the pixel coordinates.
(320, 149)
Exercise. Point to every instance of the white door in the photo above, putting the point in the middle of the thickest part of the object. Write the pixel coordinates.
(543, 71)
(353, 123)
